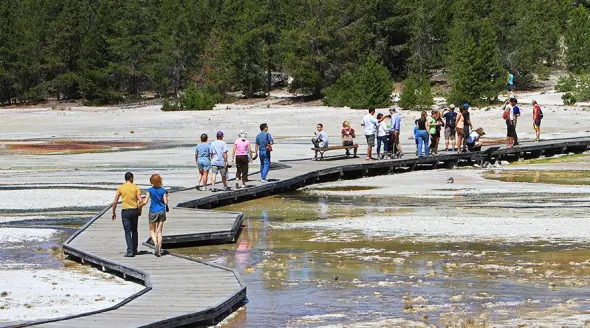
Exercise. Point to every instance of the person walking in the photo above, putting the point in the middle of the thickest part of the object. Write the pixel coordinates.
(509, 84)
(131, 204)
(320, 140)
(466, 125)
(370, 123)
(158, 198)
(347, 134)
(242, 155)
(382, 137)
(219, 161)
(396, 123)
(422, 134)
(264, 142)
(450, 118)
(202, 157)
(537, 117)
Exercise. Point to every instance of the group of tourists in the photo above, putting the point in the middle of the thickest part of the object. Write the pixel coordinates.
(215, 157)
(132, 203)
(511, 115)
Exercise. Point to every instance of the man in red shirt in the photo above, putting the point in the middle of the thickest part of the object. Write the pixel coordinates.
(537, 117)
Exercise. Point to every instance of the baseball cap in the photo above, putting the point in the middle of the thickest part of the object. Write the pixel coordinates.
(392, 109)
(466, 105)
(219, 133)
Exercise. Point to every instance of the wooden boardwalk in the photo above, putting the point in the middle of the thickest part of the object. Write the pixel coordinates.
(179, 291)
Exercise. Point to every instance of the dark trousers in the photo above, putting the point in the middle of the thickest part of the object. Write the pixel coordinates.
(129, 219)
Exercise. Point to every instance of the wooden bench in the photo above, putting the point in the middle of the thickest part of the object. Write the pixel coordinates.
(323, 150)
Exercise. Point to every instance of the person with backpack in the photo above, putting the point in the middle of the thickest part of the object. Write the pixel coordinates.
(537, 117)
(508, 116)
(516, 114)
(263, 148)
(450, 128)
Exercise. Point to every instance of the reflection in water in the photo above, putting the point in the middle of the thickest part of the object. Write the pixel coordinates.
(304, 278)
(541, 176)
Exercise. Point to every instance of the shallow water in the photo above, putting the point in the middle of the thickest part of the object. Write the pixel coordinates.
(302, 277)
(542, 176)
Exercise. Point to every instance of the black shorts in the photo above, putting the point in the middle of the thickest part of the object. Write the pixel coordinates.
(510, 130)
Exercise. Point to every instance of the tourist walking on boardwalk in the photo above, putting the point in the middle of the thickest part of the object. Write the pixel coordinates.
(382, 137)
(450, 128)
(396, 122)
(157, 215)
(320, 140)
(131, 204)
(466, 125)
(219, 161)
(516, 111)
(347, 134)
(264, 142)
(510, 128)
(370, 123)
(473, 143)
(422, 134)
(537, 117)
(242, 155)
(202, 157)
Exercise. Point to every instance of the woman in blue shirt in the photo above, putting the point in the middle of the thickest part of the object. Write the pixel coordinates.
(203, 161)
(157, 215)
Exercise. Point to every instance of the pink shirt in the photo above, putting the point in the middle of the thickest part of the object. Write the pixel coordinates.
(241, 146)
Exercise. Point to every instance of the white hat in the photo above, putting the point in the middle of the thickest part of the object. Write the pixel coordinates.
(452, 106)
(242, 134)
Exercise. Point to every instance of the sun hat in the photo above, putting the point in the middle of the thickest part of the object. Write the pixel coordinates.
(452, 106)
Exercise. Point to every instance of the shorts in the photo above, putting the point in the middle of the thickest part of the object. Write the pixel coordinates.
(156, 217)
(347, 143)
(510, 130)
(509, 87)
(241, 166)
(395, 136)
(537, 123)
(450, 133)
(459, 132)
(219, 169)
(204, 164)
(370, 140)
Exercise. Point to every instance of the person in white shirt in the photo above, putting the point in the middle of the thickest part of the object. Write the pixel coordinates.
(370, 123)
(382, 137)
(510, 127)
(320, 140)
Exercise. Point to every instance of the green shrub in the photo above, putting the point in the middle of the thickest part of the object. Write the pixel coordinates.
(194, 98)
(565, 84)
(367, 86)
(582, 89)
(568, 99)
(416, 95)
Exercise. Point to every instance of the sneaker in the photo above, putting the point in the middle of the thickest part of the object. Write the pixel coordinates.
(226, 188)
(355, 156)
(263, 181)
(129, 255)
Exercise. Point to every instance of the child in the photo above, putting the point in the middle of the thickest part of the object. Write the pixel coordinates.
(382, 137)
(416, 135)
(157, 215)
(203, 161)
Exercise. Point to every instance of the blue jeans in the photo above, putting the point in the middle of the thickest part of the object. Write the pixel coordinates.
(129, 219)
(385, 141)
(264, 163)
(423, 139)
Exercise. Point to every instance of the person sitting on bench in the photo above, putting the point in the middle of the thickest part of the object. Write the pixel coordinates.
(348, 136)
(473, 143)
(320, 140)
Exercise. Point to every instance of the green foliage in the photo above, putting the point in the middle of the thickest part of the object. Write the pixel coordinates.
(369, 85)
(566, 83)
(577, 40)
(474, 63)
(416, 94)
(194, 98)
(569, 99)
(582, 89)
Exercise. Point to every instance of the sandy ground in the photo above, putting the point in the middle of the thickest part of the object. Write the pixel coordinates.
(89, 179)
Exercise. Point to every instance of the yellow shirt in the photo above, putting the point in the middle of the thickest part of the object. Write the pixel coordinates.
(128, 193)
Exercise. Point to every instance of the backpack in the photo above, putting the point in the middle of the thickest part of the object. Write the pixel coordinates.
(451, 121)
(540, 113)
(505, 115)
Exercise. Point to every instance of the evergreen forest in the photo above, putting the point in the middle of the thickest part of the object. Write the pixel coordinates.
(348, 51)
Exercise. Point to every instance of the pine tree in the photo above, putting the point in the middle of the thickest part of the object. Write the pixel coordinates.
(7, 51)
(577, 40)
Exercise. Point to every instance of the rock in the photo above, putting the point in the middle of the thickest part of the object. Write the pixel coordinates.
(450, 180)
(456, 298)
(335, 277)
(99, 299)
(267, 253)
(504, 163)
(4, 294)
(250, 269)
